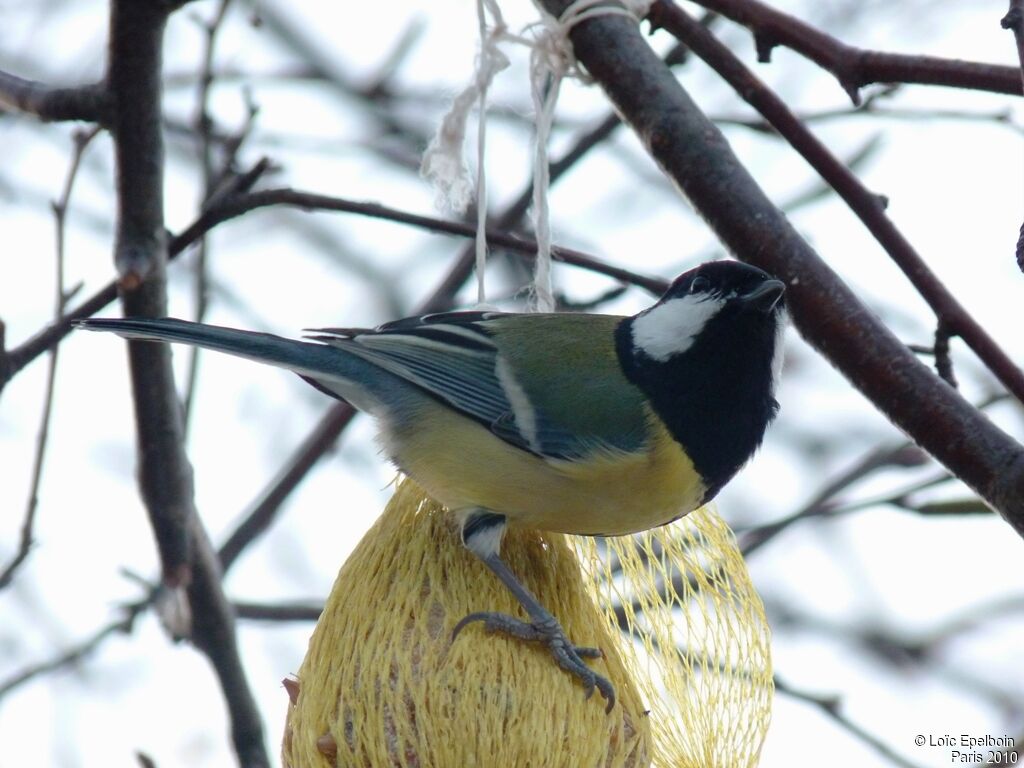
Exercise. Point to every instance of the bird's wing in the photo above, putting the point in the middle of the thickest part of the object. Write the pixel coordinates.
(458, 358)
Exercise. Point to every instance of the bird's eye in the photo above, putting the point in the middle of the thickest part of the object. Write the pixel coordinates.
(700, 284)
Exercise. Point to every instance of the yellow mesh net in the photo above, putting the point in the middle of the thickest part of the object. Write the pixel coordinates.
(382, 683)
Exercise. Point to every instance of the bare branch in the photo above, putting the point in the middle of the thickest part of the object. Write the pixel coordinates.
(943, 362)
(309, 201)
(952, 315)
(856, 67)
(60, 209)
(90, 103)
(266, 508)
(1014, 21)
(885, 457)
(283, 612)
(140, 254)
(213, 633)
(164, 472)
(831, 706)
(204, 131)
(231, 202)
(74, 654)
(694, 153)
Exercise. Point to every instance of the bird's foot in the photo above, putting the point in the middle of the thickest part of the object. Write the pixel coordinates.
(548, 631)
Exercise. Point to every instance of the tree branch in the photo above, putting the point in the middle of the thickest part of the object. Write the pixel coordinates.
(952, 316)
(52, 334)
(283, 612)
(856, 67)
(831, 707)
(90, 103)
(309, 201)
(695, 154)
(60, 209)
(140, 255)
(266, 508)
(1014, 21)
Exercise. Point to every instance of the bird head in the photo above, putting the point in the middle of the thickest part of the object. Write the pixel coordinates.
(716, 300)
(707, 356)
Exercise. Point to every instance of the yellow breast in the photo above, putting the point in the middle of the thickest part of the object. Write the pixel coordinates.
(463, 465)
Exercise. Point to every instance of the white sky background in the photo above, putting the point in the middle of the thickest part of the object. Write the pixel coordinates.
(956, 190)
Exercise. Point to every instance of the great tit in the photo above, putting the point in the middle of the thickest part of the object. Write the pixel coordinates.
(578, 423)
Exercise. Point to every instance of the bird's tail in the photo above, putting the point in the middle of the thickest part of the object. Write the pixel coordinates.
(331, 369)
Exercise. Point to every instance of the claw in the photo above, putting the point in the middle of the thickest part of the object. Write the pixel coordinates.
(567, 655)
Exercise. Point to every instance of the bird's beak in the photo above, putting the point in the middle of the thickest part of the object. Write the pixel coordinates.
(765, 296)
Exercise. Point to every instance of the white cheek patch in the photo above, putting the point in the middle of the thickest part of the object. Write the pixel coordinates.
(669, 329)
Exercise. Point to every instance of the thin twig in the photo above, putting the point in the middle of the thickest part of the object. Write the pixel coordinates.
(90, 103)
(60, 209)
(902, 455)
(943, 362)
(233, 205)
(856, 67)
(277, 613)
(203, 130)
(265, 510)
(309, 201)
(52, 334)
(862, 202)
(74, 654)
(831, 706)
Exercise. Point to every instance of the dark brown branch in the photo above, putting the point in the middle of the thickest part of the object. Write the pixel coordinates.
(164, 472)
(213, 633)
(1020, 249)
(693, 152)
(90, 103)
(952, 315)
(1014, 21)
(140, 254)
(855, 67)
(943, 362)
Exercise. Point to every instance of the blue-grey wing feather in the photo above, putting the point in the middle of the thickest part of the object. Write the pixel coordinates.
(454, 359)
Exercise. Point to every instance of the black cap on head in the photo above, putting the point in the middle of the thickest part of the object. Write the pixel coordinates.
(731, 281)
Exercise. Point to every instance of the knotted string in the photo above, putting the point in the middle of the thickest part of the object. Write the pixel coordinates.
(551, 60)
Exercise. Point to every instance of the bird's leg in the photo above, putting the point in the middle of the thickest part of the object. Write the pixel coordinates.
(482, 533)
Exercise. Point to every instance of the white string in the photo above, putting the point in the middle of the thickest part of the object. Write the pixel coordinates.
(443, 162)
(551, 60)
